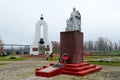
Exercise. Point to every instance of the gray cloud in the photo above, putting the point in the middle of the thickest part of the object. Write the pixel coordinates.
(18, 18)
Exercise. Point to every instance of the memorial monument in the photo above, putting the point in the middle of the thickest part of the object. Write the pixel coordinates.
(41, 44)
(71, 41)
(71, 52)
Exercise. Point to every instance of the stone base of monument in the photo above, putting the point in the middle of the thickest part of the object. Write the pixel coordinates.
(49, 71)
(80, 69)
(71, 58)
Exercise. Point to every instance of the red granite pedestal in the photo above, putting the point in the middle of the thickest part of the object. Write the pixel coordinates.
(72, 44)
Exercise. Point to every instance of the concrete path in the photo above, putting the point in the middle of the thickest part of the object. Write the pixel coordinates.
(38, 78)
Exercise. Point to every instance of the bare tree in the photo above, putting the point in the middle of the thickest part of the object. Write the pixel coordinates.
(119, 45)
(56, 46)
(90, 45)
(95, 46)
(115, 46)
(110, 45)
(85, 45)
(100, 43)
(1, 46)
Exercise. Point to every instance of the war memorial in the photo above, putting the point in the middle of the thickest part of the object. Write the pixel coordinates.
(39, 41)
(71, 52)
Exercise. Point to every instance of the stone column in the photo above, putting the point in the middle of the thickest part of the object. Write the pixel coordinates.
(72, 44)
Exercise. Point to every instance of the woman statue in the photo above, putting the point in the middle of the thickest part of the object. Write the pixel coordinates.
(74, 22)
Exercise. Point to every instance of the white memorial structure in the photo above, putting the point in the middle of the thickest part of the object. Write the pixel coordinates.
(39, 41)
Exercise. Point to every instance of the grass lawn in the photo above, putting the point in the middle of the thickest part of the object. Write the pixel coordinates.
(8, 59)
(3, 63)
(116, 52)
(111, 63)
(87, 57)
(53, 59)
(91, 57)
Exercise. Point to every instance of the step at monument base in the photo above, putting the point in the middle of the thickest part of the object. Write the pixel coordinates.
(49, 71)
(81, 69)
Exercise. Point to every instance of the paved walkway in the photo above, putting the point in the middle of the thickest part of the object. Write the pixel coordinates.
(25, 70)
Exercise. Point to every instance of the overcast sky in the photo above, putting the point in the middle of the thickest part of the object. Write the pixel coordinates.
(100, 18)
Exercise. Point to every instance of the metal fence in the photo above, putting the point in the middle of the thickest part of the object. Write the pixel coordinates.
(15, 49)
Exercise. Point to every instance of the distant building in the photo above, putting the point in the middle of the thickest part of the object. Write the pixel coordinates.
(1, 46)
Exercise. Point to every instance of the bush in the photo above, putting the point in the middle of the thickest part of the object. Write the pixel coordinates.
(12, 57)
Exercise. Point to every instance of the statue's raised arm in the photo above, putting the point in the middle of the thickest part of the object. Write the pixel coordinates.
(74, 22)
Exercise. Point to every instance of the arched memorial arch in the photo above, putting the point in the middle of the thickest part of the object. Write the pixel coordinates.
(41, 40)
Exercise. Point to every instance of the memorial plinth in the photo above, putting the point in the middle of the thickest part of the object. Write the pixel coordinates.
(71, 58)
(72, 44)
(71, 52)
